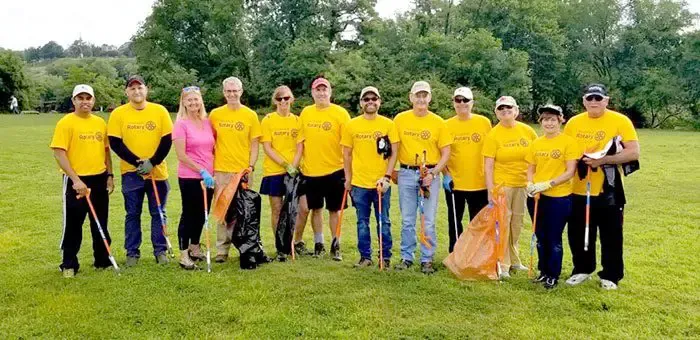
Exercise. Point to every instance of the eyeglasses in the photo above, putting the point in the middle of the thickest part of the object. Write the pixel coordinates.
(594, 98)
(191, 89)
(462, 100)
(504, 107)
(370, 99)
(285, 98)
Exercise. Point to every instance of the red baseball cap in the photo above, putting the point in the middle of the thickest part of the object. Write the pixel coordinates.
(320, 81)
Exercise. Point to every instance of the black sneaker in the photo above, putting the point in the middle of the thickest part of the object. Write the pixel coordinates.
(427, 268)
(550, 283)
(404, 264)
(335, 252)
(540, 279)
(301, 250)
(387, 264)
(319, 249)
(281, 257)
(364, 262)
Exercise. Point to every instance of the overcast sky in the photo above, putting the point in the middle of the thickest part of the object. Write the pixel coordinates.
(31, 23)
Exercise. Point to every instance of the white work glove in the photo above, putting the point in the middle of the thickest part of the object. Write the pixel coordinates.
(385, 183)
(535, 188)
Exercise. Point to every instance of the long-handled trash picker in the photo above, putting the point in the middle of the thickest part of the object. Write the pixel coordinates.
(588, 209)
(162, 217)
(533, 240)
(206, 226)
(99, 228)
(336, 238)
(381, 245)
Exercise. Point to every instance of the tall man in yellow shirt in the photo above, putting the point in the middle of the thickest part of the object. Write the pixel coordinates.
(421, 133)
(140, 134)
(237, 131)
(370, 146)
(592, 130)
(322, 167)
(81, 149)
(463, 179)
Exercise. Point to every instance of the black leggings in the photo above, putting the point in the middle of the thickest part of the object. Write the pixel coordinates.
(192, 218)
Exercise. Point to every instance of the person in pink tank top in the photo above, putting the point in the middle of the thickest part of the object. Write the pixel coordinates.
(193, 138)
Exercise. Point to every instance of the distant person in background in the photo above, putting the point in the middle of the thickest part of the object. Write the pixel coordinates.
(81, 149)
(140, 134)
(193, 138)
(14, 105)
(237, 133)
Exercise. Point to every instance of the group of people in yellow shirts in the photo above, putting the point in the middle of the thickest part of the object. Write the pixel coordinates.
(340, 158)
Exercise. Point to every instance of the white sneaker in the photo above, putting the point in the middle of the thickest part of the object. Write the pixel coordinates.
(518, 267)
(504, 275)
(578, 279)
(607, 284)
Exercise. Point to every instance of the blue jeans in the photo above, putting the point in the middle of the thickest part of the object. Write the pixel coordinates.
(552, 214)
(363, 199)
(134, 187)
(409, 204)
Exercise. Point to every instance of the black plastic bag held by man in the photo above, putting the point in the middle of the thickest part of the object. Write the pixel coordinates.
(246, 232)
(288, 215)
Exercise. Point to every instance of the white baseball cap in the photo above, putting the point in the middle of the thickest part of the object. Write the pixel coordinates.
(506, 100)
(464, 92)
(420, 86)
(369, 89)
(82, 88)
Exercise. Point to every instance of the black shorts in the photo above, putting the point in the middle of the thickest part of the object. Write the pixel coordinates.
(273, 185)
(329, 188)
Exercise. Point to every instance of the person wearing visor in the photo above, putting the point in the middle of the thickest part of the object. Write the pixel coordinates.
(463, 178)
(322, 168)
(551, 165)
(423, 153)
(370, 147)
(81, 150)
(593, 130)
(140, 134)
(504, 153)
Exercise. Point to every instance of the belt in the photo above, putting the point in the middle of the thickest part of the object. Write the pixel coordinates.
(415, 167)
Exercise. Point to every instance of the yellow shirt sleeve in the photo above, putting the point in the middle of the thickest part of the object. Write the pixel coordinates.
(572, 150)
(61, 136)
(627, 130)
(255, 130)
(114, 124)
(445, 137)
(346, 135)
(266, 131)
(166, 121)
(301, 137)
(490, 146)
(393, 133)
(530, 156)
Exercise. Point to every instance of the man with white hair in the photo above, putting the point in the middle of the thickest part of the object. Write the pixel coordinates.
(237, 131)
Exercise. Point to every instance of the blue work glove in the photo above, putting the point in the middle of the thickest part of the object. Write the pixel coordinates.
(206, 177)
(145, 167)
(447, 183)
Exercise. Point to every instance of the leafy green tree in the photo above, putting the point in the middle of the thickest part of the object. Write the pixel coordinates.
(13, 79)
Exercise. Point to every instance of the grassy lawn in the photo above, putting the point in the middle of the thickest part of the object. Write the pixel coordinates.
(319, 298)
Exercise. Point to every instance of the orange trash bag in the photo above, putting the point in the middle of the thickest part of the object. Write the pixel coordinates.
(478, 253)
(223, 200)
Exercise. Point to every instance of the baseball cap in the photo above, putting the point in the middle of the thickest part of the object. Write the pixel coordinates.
(598, 89)
(369, 89)
(506, 100)
(320, 81)
(551, 108)
(135, 78)
(464, 92)
(420, 86)
(82, 88)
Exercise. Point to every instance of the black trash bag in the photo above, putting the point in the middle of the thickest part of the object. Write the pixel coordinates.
(288, 215)
(246, 228)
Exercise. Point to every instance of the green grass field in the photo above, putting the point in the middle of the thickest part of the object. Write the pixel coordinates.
(319, 298)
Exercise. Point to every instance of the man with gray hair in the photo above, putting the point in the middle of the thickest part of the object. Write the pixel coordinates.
(237, 135)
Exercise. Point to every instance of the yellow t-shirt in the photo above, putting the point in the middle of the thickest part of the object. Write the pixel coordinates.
(508, 146)
(234, 130)
(361, 135)
(283, 133)
(141, 131)
(550, 155)
(85, 141)
(466, 164)
(323, 154)
(592, 134)
(427, 133)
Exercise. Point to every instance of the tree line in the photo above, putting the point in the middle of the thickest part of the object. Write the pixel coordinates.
(539, 51)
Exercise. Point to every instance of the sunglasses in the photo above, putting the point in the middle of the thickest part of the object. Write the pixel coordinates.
(504, 107)
(191, 89)
(369, 99)
(462, 100)
(286, 98)
(594, 98)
